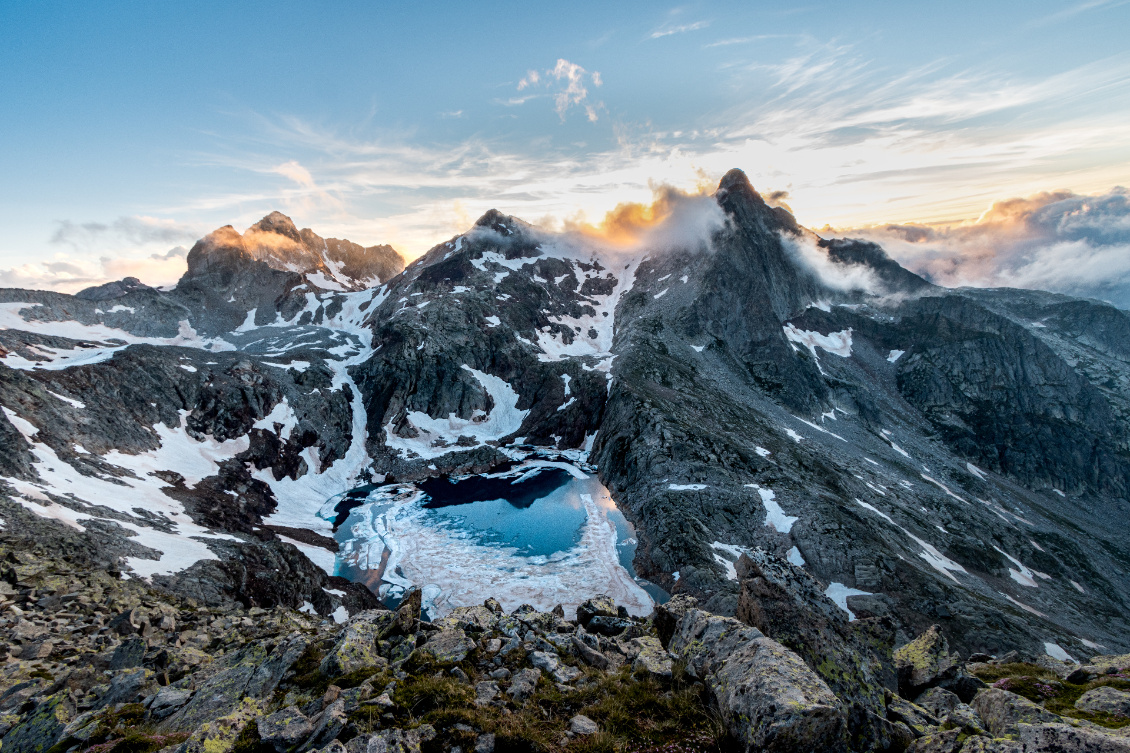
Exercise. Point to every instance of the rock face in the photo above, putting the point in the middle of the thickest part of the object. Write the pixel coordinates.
(804, 434)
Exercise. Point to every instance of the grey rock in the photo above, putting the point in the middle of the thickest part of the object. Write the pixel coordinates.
(448, 646)
(128, 685)
(544, 661)
(981, 744)
(924, 662)
(331, 723)
(43, 727)
(962, 717)
(1063, 738)
(523, 684)
(565, 674)
(485, 743)
(401, 741)
(938, 701)
(582, 725)
(168, 700)
(129, 654)
(598, 606)
(1003, 712)
(1105, 699)
(947, 741)
(285, 729)
(485, 692)
(917, 719)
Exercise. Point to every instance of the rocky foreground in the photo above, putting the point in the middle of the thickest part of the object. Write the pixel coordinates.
(96, 663)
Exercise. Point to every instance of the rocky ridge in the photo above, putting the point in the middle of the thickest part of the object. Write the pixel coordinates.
(94, 662)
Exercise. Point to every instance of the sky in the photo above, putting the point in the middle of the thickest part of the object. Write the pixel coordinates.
(129, 129)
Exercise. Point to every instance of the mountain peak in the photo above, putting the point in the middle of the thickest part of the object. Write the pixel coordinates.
(278, 223)
(736, 181)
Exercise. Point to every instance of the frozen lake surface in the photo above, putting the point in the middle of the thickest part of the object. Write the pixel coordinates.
(543, 532)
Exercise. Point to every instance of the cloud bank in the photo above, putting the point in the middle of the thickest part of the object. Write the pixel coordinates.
(1058, 241)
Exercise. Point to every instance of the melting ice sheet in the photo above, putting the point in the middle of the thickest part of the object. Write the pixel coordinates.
(540, 534)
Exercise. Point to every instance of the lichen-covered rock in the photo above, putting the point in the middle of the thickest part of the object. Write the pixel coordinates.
(355, 649)
(331, 723)
(219, 735)
(1106, 700)
(924, 661)
(771, 701)
(1062, 738)
(705, 640)
(650, 657)
(43, 728)
(666, 616)
(400, 740)
(1105, 662)
(947, 741)
(963, 718)
(917, 719)
(129, 685)
(1002, 711)
(485, 692)
(285, 729)
(448, 646)
(981, 744)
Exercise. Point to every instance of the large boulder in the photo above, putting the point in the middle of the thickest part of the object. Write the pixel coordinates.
(650, 657)
(43, 727)
(598, 606)
(924, 662)
(1105, 700)
(1003, 712)
(1063, 738)
(285, 729)
(400, 740)
(768, 697)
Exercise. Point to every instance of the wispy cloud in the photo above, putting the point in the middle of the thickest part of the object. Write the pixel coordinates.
(672, 29)
(568, 83)
(1072, 11)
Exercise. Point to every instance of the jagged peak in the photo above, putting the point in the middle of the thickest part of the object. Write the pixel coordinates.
(737, 182)
(278, 223)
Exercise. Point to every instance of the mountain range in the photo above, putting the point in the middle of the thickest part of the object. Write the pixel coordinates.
(740, 385)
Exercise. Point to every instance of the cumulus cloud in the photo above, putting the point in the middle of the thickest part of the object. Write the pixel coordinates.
(675, 219)
(1058, 241)
(568, 83)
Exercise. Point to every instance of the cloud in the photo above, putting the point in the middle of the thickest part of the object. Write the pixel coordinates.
(675, 219)
(124, 231)
(567, 81)
(1058, 241)
(70, 274)
(670, 29)
(843, 277)
(295, 172)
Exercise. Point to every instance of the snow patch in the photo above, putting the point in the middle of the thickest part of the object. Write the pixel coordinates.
(839, 594)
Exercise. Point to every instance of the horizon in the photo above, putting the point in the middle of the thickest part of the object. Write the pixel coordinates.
(949, 135)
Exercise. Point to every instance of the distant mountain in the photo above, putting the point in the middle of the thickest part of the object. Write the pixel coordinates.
(928, 455)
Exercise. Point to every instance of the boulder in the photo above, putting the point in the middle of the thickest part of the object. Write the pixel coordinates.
(650, 657)
(448, 646)
(330, 725)
(598, 606)
(1105, 700)
(706, 640)
(285, 729)
(771, 701)
(129, 685)
(355, 649)
(1063, 738)
(167, 701)
(485, 692)
(1105, 662)
(1002, 712)
(924, 662)
(220, 733)
(963, 718)
(544, 661)
(474, 618)
(981, 744)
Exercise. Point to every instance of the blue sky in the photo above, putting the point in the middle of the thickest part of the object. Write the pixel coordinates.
(128, 129)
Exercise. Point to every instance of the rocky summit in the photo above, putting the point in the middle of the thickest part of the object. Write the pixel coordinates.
(728, 485)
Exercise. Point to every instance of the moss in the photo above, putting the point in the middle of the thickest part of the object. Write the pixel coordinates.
(990, 673)
(1043, 687)
(358, 676)
(307, 672)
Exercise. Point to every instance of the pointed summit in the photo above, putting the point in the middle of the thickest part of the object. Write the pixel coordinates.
(736, 181)
(278, 223)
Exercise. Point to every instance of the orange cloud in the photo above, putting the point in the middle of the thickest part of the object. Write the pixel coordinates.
(673, 216)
